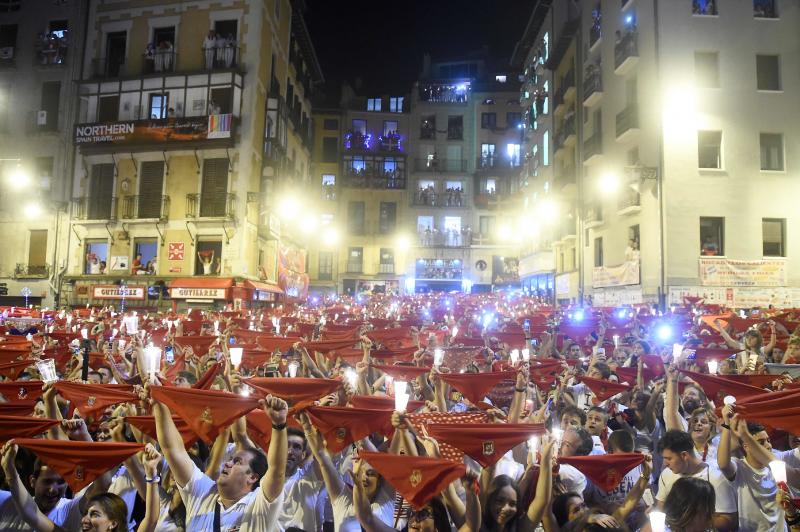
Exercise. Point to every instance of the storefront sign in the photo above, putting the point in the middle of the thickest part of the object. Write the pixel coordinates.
(118, 292)
(198, 293)
(624, 274)
(191, 128)
(779, 297)
(742, 273)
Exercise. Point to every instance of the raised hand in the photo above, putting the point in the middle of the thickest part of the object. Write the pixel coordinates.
(150, 460)
(276, 409)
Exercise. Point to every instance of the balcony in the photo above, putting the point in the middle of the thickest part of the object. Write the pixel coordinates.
(568, 84)
(440, 165)
(565, 179)
(31, 271)
(386, 268)
(355, 266)
(626, 53)
(145, 208)
(425, 198)
(595, 34)
(94, 209)
(592, 86)
(765, 9)
(565, 137)
(630, 202)
(165, 61)
(558, 101)
(594, 216)
(374, 178)
(593, 149)
(369, 142)
(434, 238)
(493, 164)
(444, 92)
(628, 123)
(50, 50)
(211, 206)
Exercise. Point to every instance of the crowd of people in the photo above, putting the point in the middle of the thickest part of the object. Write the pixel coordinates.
(219, 50)
(451, 197)
(434, 412)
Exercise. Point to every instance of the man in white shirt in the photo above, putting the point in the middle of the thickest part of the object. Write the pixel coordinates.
(755, 486)
(248, 495)
(303, 486)
(574, 442)
(677, 452)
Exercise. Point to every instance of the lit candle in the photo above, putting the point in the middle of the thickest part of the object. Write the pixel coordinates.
(400, 401)
(514, 357)
(293, 369)
(351, 376)
(400, 387)
(85, 334)
(236, 356)
(526, 354)
(713, 365)
(729, 400)
(677, 351)
(152, 358)
(658, 521)
(47, 369)
(438, 357)
(533, 447)
(778, 468)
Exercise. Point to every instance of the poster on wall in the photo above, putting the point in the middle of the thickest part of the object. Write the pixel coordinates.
(292, 276)
(119, 262)
(190, 128)
(747, 297)
(716, 271)
(505, 270)
(624, 274)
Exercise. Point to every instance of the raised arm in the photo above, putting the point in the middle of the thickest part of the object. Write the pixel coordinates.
(217, 454)
(333, 483)
(724, 450)
(472, 516)
(369, 522)
(544, 486)
(51, 411)
(732, 343)
(23, 501)
(635, 494)
(671, 414)
(150, 460)
(520, 394)
(272, 482)
(171, 443)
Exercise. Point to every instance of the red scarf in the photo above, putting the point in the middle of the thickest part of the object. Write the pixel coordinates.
(199, 344)
(476, 386)
(486, 443)
(18, 408)
(717, 387)
(11, 370)
(603, 389)
(343, 426)
(15, 391)
(80, 462)
(417, 478)
(325, 346)
(205, 382)
(23, 426)
(147, 424)
(402, 373)
(91, 399)
(299, 392)
(421, 422)
(606, 470)
(382, 402)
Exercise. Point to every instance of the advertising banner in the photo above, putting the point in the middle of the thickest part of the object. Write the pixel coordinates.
(190, 128)
(624, 274)
(741, 273)
(118, 292)
(292, 276)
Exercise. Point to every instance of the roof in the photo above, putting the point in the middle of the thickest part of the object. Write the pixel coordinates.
(535, 22)
(300, 32)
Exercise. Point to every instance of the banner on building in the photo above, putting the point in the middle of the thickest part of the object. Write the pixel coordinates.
(292, 276)
(743, 297)
(539, 262)
(624, 274)
(118, 292)
(505, 270)
(613, 297)
(198, 293)
(716, 271)
(191, 128)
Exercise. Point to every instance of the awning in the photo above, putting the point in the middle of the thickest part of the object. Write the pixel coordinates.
(202, 282)
(263, 287)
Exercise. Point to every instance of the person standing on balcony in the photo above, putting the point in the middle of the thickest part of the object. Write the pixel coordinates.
(209, 44)
(219, 45)
(230, 51)
(207, 260)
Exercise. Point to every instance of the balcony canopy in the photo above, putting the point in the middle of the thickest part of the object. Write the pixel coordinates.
(202, 282)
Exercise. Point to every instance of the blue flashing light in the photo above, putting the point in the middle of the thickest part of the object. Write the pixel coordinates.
(578, 315)
(664, 332)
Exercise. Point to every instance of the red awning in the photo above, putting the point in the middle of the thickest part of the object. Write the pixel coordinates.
(202, 282)
(264, 287)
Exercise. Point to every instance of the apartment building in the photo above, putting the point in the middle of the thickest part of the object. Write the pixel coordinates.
(40, 55)
(685, 132)
(191, 122)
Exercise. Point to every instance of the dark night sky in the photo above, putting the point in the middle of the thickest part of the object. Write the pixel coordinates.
(383, 43)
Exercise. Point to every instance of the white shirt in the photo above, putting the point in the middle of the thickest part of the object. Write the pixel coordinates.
(792, 459)
(617, 496)
(300, 500)
(755, 494)
(572, 479)
(597, 446)
(122, 485)
(251, 512)
(65, 513)
(344, 514)
(725, 493)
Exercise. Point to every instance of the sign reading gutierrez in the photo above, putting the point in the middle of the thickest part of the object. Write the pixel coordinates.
(118, 292)
(156, 130)
(198, 293)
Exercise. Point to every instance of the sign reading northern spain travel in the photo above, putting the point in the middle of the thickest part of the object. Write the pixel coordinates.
(157, 130)
(118, 292)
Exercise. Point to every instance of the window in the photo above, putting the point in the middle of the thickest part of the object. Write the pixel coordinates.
(330, 124)
(490, 186)
(396, 105)
(427, 127)
(546, 148)
(328, 180)
(330, 149)
(325, 265)
(513, 119)
(355, 260)
(373, 104)
(101, 192)
(773, 237)
(488, 120)
(486, 225)
(355, 217)
(37, 251)
(546, 42)
(712, 235)
(704, 7)
(500, 79)
(706, 70)
(214, 191)
(51, 92)
(387, 256)
(360, 126)
(768, 76)
(424, 223)
(546, 103)
(208, 259)
(151, 185)
(633, 234)
(765, 9)
(455, 127)
(487, 151)
(158, 105)
(389, 165)
(512, 150)
(709, 149)
(389, 127)
(97, 257)
(453, 185)
(388, 217)
(8, 41)
(146, 250)
(44, 169)
(9, 6)
(598, 252)
(771, 151)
